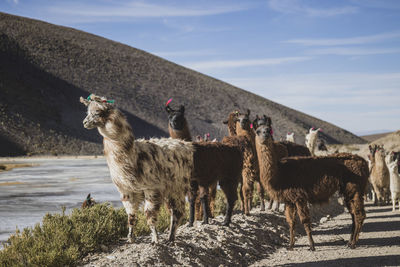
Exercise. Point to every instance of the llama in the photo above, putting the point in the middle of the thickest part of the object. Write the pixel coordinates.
(178, 129)
(242, 136)
(298, 181)
(379, 176)
(311, 139)
(153, 171)
(89, 202)
(283, 148)
(394, 182)
(290, 137)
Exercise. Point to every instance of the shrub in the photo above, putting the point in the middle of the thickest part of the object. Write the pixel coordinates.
(63, 239)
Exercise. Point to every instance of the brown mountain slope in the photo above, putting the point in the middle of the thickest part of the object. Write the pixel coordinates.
(45, 68)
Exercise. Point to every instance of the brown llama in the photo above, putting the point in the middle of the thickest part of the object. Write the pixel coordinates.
(298, 181)
(283, 148)
(239, 124)
(215, 161)
(379, 176)
(178, 129)
(150, 171)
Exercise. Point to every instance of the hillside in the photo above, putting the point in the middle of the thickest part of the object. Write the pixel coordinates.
(44, 69)
(373, 137)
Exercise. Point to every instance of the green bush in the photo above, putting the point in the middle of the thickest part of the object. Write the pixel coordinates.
(63, 239)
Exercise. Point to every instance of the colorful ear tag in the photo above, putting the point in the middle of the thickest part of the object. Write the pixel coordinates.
(169, 101)
(251, 126)
(88, 98)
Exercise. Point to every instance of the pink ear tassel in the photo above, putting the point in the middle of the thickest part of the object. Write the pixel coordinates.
(271, 132)
(251, 126)
(169, 101)
(208, 134)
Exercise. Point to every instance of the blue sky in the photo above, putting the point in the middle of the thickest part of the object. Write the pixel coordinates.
(336, 60)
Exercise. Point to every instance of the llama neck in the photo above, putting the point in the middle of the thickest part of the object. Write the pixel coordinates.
(183, 134)
(117, 133)
(268, 162)
(379, 160)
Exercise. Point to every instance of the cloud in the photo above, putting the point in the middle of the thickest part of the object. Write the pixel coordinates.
(354, 101)
(89, 11)
(345, 41)
(218, 64)
(299, 7)
(345, 51)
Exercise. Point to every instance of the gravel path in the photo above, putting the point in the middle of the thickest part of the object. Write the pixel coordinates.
(379, 243)
(261, 240)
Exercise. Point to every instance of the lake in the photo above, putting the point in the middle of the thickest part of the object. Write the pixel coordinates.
(27, 194)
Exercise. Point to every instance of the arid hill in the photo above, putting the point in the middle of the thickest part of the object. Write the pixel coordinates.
(44, 69)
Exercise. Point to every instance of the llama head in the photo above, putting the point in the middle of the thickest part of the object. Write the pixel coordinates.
(264, 120)
(264, 133)
(243, 120)
(98, 111)
(176, 118)
(231, 122)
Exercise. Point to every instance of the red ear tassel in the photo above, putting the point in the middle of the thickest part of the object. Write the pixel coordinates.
(271, 132)
(169, 101)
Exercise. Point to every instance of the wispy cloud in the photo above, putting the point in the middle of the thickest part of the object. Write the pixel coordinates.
(347, 51)
(217, 64)
(345, 41)
(354, 101)
(300, 7)
(108, 10)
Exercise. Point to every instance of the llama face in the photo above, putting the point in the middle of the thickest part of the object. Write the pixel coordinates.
(264, 133)
(176, 118)
(264, 120)
(97, 112)
(244, 120)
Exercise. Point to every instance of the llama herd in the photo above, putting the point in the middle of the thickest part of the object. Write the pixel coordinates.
(167, 170)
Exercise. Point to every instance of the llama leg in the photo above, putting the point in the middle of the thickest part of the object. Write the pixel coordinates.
(276, 205)
(241, 197)
(260, 190)
(304, 215)
(358, 215)
(198, 208)
(177, 208)
(131, 204)
(271, 201)
(290, 213)
(230, 191)
(247, 198)
(204, 199)
(192, 198)
(394, 201)
(211, 197)
(151, 207)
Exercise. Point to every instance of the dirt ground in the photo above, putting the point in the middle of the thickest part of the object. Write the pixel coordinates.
(379, 243)
(261, 240)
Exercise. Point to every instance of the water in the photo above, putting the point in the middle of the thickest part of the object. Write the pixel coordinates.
(34, 191)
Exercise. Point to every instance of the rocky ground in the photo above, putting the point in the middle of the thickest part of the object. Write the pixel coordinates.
(249, 240)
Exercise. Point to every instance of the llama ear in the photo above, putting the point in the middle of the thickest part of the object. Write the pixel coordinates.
(248, 112)
(168, 109)
(225, 122)
(182, 109)
(84, 101)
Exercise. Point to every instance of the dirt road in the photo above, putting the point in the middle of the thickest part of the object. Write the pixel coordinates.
(379, 243)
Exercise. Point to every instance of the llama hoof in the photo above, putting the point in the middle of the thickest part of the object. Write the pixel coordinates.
(290, 248)
(225, 224)
(204, 223)
(351, 245)
(312, 248)
(130, 240)
(190, 224)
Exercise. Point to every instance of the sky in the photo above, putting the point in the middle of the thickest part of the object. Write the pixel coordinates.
(335, 60)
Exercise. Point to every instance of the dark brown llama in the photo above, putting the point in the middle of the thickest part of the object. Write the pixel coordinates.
(298, 181)
(283, 149)
(178, 129)
(239, 125)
